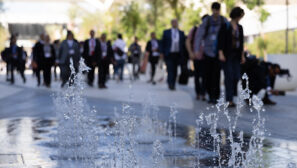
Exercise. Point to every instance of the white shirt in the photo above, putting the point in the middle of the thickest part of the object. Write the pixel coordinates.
(92, 45)
(175, 40)
(70, 44)
(104, 48)
(155, 46)
(47, 51)
(119, 43)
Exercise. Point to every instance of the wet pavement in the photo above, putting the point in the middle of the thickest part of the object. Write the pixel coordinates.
(28, 121)
(30, 142)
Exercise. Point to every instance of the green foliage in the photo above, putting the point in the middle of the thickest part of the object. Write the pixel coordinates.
(131, 19)
(155, 13)
(191, 17)
(251, 4)
(178, 8)
(73, 12)
(263, 15)
(141, 17)
(229, 4)
(274, 43)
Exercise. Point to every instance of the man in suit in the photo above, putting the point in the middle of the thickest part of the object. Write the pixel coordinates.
(38, 53)
(92, 54)
(173, 49)
(69, 49)
(56, 45)
(106, 57)
(15, 56)
(49, 56)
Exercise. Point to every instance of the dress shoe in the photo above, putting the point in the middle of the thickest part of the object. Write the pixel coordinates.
(267, 101)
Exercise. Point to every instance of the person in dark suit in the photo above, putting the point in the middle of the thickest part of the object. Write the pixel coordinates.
(92, 54)
(173, 49)
(231, 53)
(38, 55)
(49, 56)
(15, 56)
(56, 45)
(22, 63)
(135, 54)
(69, 49)
(152, 49)
(106, 58)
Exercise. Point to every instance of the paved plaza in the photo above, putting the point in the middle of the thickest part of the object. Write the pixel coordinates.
(29, 103)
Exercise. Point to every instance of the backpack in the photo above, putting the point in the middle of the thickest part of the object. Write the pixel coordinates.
(5, 54)
(119, 52)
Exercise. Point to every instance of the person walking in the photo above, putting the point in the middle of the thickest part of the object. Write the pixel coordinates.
(173, 49)
(91, 54)
(153, 48)
(48, 60)
(199, 63)
(56, 45)
(38, 55)
(69, 49)
(135, 54)
(120, 56)
(106, 57)
(208, 34)
(15, 56)
(231, 53)
(22, 64)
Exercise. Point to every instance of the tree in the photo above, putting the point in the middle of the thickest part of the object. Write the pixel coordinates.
(192, 17)
(230, 4)
(155, 12)
(177, 6)
(251, 4)
(131, 19)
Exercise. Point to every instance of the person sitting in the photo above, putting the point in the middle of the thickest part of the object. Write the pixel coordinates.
(262, 76)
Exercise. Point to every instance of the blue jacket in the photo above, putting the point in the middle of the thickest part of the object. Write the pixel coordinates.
(166, 43)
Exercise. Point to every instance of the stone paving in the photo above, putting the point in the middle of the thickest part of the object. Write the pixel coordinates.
(22, 101)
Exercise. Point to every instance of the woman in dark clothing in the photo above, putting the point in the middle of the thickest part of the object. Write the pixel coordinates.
(231, 52)
(153, 51)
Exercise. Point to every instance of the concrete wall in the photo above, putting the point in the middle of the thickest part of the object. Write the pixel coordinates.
(288, 61)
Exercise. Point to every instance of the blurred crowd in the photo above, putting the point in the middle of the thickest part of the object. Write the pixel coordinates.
(216, 44)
